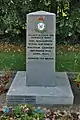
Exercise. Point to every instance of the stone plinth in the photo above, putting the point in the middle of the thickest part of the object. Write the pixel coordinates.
(40, 95)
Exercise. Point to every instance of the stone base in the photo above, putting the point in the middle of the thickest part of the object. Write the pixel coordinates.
(19, 93)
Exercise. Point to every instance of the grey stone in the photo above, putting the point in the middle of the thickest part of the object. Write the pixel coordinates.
(40, 71)
(20, 93)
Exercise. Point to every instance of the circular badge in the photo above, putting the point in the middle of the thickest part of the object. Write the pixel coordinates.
(41, 26)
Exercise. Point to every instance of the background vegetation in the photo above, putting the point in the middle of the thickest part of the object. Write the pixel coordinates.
(13, 18)
(13, 30)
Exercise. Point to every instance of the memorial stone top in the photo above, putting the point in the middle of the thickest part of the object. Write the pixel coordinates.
(41, 13)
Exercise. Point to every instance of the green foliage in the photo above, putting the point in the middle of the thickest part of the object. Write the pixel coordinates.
(17, 113)
(68, 23)
(17, 110)
(13, 13)
(78, 78)
(13, 17)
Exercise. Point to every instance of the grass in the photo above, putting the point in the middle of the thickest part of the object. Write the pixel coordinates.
(68, 58)
(12, 57)
(13, 61)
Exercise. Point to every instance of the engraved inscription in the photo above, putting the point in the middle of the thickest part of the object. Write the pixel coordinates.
(40, 46)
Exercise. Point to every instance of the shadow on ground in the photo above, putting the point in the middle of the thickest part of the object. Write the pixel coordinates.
(75, 89)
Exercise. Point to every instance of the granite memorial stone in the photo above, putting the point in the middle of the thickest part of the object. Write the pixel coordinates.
(41, 48)
(40, 84)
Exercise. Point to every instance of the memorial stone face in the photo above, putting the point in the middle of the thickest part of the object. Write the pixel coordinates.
(40, 49)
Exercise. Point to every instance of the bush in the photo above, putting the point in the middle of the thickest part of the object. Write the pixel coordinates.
(13, 18)
(68, 28)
